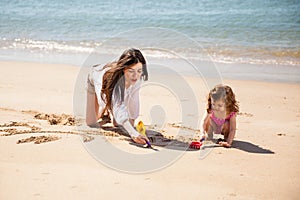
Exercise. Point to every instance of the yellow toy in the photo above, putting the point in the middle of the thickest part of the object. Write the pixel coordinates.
(140, 127)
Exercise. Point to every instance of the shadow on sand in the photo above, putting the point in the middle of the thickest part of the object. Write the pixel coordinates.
(159, 140)
(244, 146)
(250, 148)
(156, 139)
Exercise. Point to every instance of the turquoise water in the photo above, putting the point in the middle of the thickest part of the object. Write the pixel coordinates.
(232, 31)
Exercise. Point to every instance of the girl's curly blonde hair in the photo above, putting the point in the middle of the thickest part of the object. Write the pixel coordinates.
(225, 93)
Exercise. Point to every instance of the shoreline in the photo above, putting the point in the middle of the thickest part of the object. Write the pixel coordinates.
(238, 71)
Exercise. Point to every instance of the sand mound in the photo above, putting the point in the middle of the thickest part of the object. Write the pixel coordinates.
(54, 119)
(38, 139)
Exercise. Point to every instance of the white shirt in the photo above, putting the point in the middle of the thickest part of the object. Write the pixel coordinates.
(122, 111)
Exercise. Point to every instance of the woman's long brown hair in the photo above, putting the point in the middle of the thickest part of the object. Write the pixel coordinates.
(114, 77)
(225, 93)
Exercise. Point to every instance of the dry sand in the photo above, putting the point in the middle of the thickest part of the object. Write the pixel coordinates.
(263, 163)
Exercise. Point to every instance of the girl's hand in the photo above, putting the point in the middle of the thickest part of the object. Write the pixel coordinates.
(141, 139)
(203, 136)
(225, 144)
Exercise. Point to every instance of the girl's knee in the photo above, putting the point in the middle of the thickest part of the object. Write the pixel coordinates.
(207, 125)
(226, 130)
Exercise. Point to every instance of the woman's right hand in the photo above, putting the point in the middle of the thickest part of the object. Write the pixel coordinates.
(141, 139)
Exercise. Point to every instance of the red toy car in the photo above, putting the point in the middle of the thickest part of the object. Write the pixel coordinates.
(195, 145)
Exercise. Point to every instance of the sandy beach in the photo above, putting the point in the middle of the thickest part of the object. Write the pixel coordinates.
(262, 164)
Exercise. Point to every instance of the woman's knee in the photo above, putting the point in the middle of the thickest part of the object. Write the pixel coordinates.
(92, 123)
(89, 121)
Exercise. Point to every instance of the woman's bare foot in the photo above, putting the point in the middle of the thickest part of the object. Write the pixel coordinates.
(115, 123)
(104, 120)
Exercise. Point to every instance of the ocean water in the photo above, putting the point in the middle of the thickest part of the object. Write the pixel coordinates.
(230, 31)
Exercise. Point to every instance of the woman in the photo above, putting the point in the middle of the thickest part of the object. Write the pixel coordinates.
(114, 89)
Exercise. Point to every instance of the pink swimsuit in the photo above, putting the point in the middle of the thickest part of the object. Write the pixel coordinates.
(220, 122)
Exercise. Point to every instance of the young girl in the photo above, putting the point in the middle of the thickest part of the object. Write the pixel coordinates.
(220, 117)
(113, 90)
